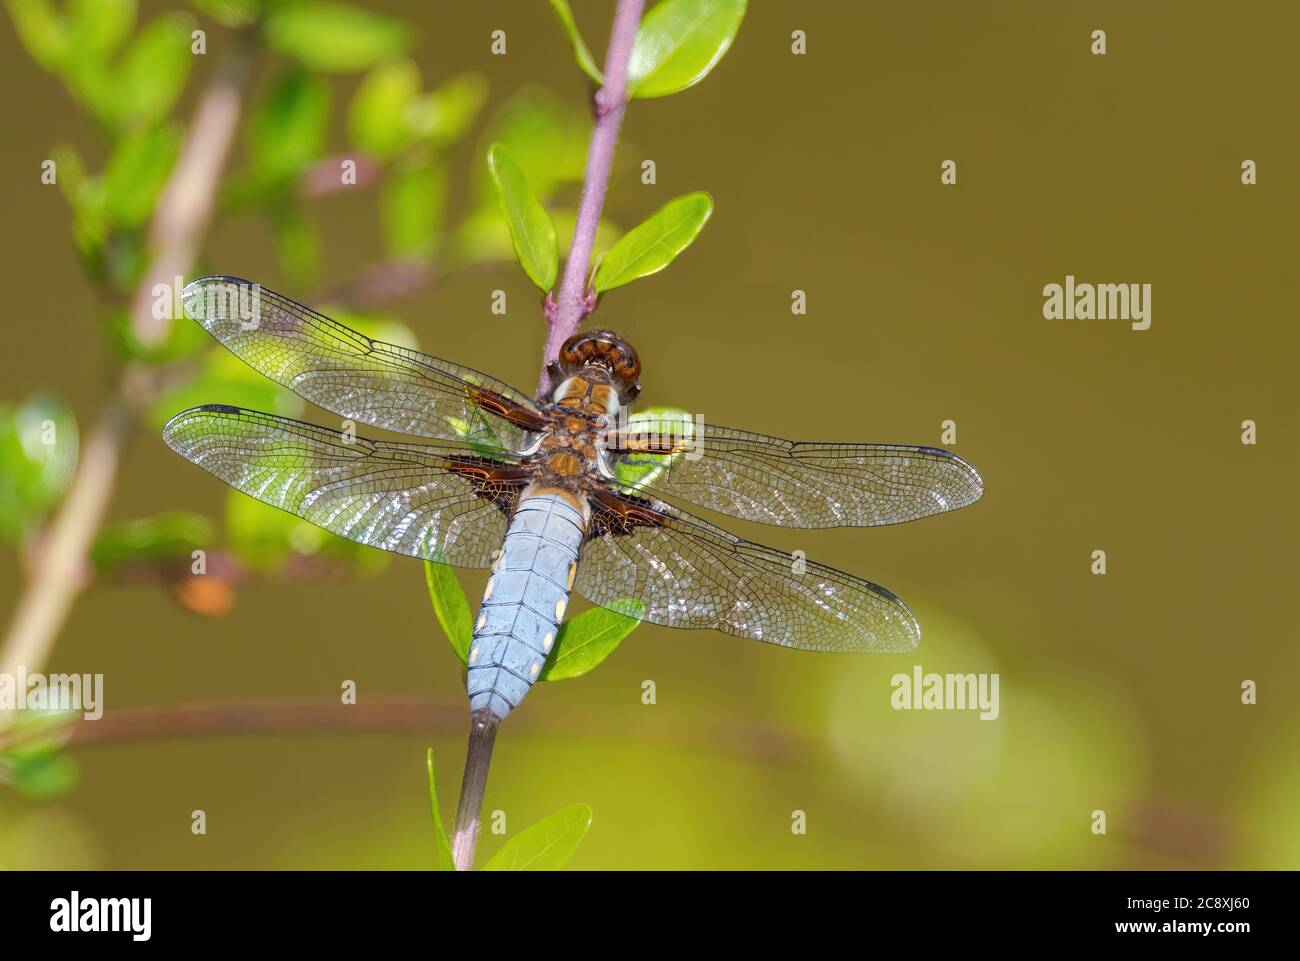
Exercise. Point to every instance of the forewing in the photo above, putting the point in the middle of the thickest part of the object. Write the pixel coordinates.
(795, 483)
(346, 372)
(436, 502)
(689, 573)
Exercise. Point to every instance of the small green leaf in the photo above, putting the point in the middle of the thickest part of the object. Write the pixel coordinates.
(410, 205)
(334, 36)
(451, 607)
(72, 172)
(43, 32)
(182, 340)
(377, 113)
(136, 173)
(531, 229)
(153, 71)
(297, 243)
(478, 431)
(231, 13)
(546, 136)
(635, 470)
(546, 845)
(225, 378)
(440, 843)
(654, 243)
(39, 772)
(586, 640)
(100, 26)
(264, 537)
(287, 131)
(167, 535)
(679, 42)
(579, 47)
(444, 115)
(38, 456)
(483, 236)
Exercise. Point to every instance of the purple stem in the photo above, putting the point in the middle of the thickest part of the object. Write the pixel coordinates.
(572, 304)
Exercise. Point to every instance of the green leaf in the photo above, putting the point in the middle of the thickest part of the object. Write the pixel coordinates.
(71, 172)
(334, 37)
(451, 607)
(444, 115)
(483, 235)
(98, 27)
(43, 32)
(389, 114)
(654, 243)
(38, 456)
(635, 470)
(297, 243)
(410, 206)
(231, 13)
(679, 42)
(153, 71)
(546, 136)
(579, 47)
(440, 843)
(40, 772)
(531, 229)
(265, 538)
(182, 340)
(546, 845)
(224, 378)
(377, 114)
(137, 172)
(587, 639)
(167, 535)
(287, 131)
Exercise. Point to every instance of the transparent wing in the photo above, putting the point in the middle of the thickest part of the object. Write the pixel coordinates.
(794, 483)
(689, 573)
(437, 502)
(352, 375)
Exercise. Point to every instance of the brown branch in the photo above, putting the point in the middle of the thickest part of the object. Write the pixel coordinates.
(58, 570)
(187, 201)
(408, 715)
(176, 233)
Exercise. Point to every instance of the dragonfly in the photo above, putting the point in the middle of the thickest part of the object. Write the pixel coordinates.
(557, 496)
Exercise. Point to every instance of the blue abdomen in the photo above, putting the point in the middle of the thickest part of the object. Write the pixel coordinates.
(524, 602)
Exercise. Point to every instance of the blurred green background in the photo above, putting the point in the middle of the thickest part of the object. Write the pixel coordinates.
(1119, 692)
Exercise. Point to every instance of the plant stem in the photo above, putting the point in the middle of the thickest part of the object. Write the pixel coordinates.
(572, 303)
(746, 738)
(176, 232)
(187, 201)
(562, 317)
(59, 568)
(478, 757)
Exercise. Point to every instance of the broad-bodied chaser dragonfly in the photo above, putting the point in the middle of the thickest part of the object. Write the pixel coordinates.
(559, 496)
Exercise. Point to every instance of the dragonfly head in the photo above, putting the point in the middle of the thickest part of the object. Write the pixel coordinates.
(603, 351)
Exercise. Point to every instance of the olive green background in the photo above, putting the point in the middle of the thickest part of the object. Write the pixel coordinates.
(1118, 692)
